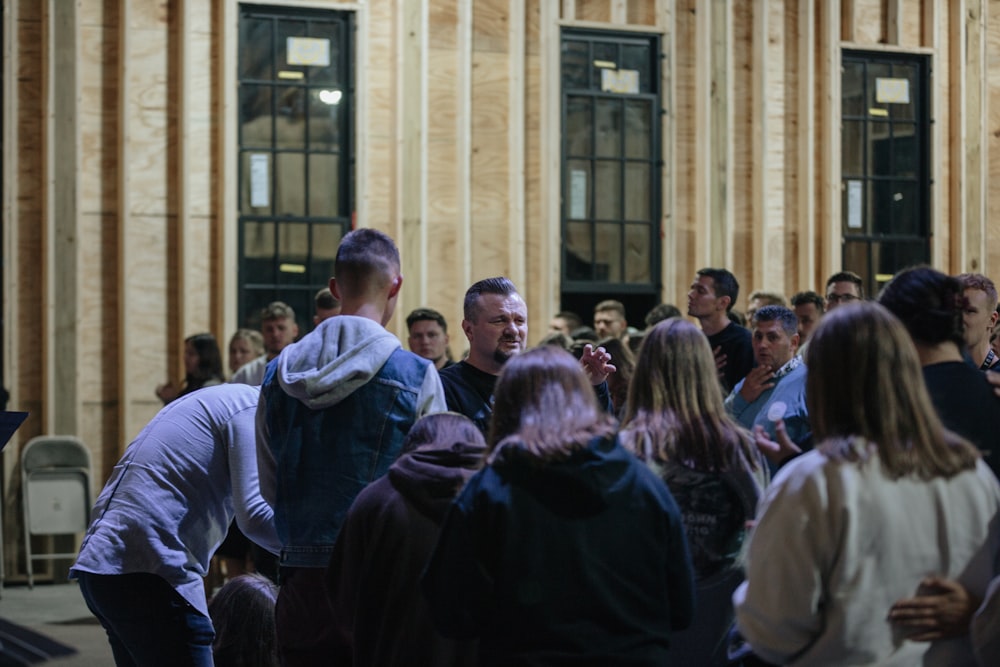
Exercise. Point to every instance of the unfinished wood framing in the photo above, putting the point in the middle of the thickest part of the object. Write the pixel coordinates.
(121, 164)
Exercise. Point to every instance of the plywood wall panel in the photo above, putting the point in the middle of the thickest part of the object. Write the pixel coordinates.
(911, 23)
(489, 25)
(98, 128)
(201, 121)
(641, 12)
(490, 164)
(593, 10)
(442, 19)
(869, 21)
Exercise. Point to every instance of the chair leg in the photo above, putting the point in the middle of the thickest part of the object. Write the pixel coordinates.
(27, 544)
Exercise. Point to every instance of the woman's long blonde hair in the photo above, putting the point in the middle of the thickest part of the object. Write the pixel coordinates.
(865, 382)
(676, 400)
(544, 407)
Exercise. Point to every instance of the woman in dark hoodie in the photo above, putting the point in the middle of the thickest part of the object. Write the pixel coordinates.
(391, 528)
(565, 549)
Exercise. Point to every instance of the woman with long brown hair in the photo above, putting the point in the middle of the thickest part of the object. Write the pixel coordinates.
(675, 421)
(887, 497)
(564, 549)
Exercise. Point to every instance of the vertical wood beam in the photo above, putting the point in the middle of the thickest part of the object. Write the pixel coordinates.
(619, 12)
(11, 222)
(568, 10)
(957, 121)
(847, 21)
(976, 170)
(761, 164)
(720, 199)
(225, 232)
(806, 141)
(702, 202)
(550, 165)
(125, 388)
(411, 154)
(182, 196)
(830, 261)
(932, 37)
(665, 16)
(893, 21)
(516, 28)
(60, 319)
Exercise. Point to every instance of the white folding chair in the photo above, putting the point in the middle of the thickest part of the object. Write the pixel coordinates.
(55, 490)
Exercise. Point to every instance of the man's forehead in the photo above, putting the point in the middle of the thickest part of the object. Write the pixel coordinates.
(976, 294)
(499, 303)
(706, 281)
(769, 326)
(425, 325)
(608, 314)
(842, 287)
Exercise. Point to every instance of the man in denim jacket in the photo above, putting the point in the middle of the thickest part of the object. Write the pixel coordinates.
(333, 412)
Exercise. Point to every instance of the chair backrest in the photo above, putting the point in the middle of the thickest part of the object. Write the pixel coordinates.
(54, 451)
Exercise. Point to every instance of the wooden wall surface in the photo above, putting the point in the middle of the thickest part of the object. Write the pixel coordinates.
(119, 233)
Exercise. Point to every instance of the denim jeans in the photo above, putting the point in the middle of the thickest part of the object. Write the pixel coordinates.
(147, 621)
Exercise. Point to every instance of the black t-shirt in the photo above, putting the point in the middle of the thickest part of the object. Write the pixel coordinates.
(469, 391)
(735, 343)
(967, 405)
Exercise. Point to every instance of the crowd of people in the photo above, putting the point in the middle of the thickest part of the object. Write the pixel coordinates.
(811, 483)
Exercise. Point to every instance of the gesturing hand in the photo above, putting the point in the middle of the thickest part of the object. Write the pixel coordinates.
(597, 364)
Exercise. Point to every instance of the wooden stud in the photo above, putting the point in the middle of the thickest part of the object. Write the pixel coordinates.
(61, 236)
(761, 164)
(225, 231)
(893, 21)
(959, 165)
(932, 32)
(702, 195)
(125, 388)
(976, 171)
(568, 10)
(830, 260)
(806, 141)
(179, 326)
(11, 344)
(847, 21)
(665, 16)
(548, 294)
(619, 12)
(720, 202)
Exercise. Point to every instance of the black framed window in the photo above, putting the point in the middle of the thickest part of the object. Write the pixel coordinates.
(296, 166)
(885, 164)
(611, 169)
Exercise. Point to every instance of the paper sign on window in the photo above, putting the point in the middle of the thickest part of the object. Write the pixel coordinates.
(854, 204)
(308, 51)
(620, 81)
(892, 91)
(577, 194)
(259, 180)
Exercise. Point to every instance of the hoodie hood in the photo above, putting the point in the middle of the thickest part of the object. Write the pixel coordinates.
(579, 486)
(334, 360)
(432, 475)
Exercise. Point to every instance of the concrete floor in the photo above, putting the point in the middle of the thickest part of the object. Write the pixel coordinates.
(58, 612)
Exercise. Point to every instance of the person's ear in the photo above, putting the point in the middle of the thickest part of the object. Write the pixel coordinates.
(334, 290)
(397, 284)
